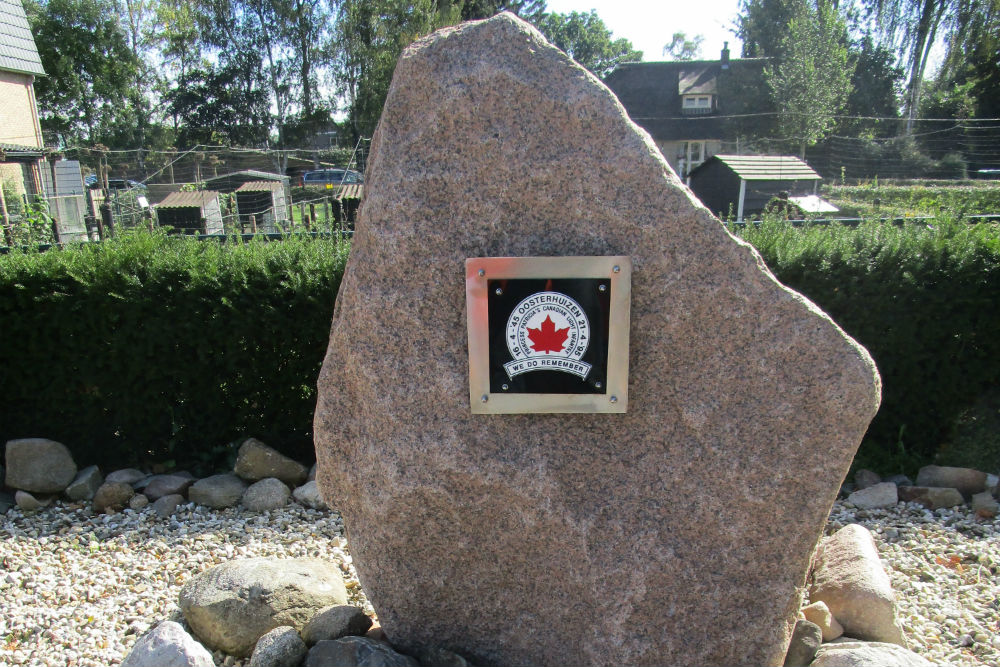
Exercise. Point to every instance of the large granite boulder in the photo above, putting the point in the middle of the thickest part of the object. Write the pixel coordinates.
(37, 465)
(849, 578)
(553, 539)
(232, 605)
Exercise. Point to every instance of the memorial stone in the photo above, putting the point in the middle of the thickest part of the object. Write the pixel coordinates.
(662, 535)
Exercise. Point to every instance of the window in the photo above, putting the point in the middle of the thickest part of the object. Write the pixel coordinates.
(697, 101)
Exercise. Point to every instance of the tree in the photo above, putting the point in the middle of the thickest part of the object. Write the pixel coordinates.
(482, 9)
(682, 48)
(762, 26)
(586, 39)
(811, 83)
(92, 73)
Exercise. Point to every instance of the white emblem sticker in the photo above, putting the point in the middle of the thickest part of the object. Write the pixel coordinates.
(548, 331)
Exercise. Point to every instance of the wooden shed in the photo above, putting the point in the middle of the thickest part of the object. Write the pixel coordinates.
(191, 212)
(744, 184)
(261, 205)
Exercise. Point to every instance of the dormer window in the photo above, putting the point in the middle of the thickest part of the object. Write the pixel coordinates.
(696, 104)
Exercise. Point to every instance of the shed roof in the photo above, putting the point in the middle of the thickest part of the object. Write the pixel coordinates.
(244, 173)
(260, 186)
(767, 167)
(13, 151)
(17, 47)
(188, 199)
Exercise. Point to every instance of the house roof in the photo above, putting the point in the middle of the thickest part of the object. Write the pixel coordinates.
(197, 199)
(651, 93)
(17, 47)
(765, 167)
(19, 151)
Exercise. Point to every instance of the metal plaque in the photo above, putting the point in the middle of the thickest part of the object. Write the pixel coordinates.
(548, 334)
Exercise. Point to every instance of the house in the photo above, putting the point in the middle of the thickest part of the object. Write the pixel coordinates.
(743, 185)
(693, 109)
(20, 134)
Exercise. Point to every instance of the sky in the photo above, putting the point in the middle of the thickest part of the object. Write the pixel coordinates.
(649, 24)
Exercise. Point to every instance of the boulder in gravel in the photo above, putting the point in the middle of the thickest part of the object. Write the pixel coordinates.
(864, 478)
(232, 605)
(900, 480)
(806, 640)
(168, 645)
(883, 494)
(167, 505)
(29, 502)
(6, 502)
(38, 465)
(308, 495)
(85, 485)
(112, 496)
(931, 497)
(281, 647)
(336, 622)
(848, 577)
(138, 502)
(255, 460)
(217, 491)
(985, 505)
(867, 654)
(166, 485)
(356, 652)
(738, 383)
(819, 613)
(441, 657)
(266, 495)
(129, 476)
(966, 480)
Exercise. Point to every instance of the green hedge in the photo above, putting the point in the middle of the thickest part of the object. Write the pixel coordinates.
(860, 200)
(153, 349)
(922, 300)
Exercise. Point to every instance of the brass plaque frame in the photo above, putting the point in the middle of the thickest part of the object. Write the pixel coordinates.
(616, 269)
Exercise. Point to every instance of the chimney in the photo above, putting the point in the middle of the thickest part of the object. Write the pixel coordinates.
(725, 55)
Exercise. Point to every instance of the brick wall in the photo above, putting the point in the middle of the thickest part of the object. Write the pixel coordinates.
(17, 118)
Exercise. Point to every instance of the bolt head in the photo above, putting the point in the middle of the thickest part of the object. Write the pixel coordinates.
(616, 268)
(484, 398)
(614, 399)
(481, 272)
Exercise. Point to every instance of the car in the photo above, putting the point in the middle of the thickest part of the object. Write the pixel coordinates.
(113, 183)
(332, 177)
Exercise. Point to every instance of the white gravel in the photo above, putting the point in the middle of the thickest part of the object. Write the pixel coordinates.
(78, 589)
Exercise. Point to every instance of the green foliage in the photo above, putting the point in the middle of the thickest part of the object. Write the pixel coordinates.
(811, 82)
(147, 348)
(683, 48)
(974, 440)
(921, 300)
(30, 223)
(586, 39)
(914, 200)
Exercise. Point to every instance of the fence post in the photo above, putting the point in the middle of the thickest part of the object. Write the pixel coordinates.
(312, 215)
(253, 223)
(108, 220)
(326, 212)
(55, 231)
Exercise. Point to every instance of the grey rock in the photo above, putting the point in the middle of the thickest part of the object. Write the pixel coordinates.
(848, 576)
(6, 502)
(129, 476)
(255, 460)
(334, 623)
(931, 497)
(867, 654)
(966, 480)
(281, 647)
(864, 478)
(308, 494)
(900, 480)
(738, 384)
(85, 485)
(217, 491)
(167, 505)
(167, 485)
(266, 495)
(312, 473)
(441, 657)
(168, 645)
(806, 640)
(112, 496)
(232, 605)
(984, 505)
(138, 501)
(28, 502)
(883, 494)
(356, 652)
(38, 465)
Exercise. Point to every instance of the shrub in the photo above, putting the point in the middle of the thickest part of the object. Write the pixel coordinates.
(921, 300)
(149, 349)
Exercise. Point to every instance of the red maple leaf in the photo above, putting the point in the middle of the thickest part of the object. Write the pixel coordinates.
(547, 338)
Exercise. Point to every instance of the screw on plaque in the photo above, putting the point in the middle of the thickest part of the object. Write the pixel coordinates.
(616, 268)
(499, 291)
(504, 387)
(598, 384)
(484, 398)
(602, 288)
(614, 399)
(482, 272)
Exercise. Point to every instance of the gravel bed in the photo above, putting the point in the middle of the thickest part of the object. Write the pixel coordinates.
(77, 589)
